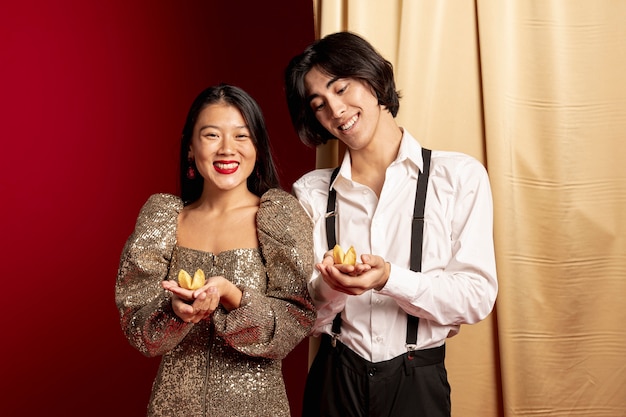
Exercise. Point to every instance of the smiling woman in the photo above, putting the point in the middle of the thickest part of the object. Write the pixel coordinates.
(110, 84)
(222, 148)
(223, 343)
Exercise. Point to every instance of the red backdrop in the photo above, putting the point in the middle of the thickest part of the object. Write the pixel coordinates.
(94, 96)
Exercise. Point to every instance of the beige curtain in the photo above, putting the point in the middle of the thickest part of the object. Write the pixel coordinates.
(536, 90)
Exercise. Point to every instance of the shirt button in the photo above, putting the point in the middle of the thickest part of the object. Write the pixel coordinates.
(379, 339)
(371, 372)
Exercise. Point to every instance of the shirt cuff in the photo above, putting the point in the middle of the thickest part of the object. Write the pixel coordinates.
(402, 284)
(323, 294)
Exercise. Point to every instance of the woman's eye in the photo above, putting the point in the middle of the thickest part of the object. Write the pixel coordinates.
(211, 136)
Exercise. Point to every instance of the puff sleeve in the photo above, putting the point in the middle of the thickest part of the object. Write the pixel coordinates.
(272, 323)
(146, 315)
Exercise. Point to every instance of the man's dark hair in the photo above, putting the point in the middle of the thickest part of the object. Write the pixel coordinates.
(338, 55)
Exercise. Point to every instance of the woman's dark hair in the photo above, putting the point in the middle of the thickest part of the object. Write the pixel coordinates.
(264, 175)
(342, 55)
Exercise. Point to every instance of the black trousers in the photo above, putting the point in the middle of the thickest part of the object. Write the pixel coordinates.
(342, 384)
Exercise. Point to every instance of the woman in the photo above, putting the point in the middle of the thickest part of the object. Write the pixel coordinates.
(222, 344)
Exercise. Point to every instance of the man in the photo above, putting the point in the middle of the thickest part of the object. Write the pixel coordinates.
(427, 257)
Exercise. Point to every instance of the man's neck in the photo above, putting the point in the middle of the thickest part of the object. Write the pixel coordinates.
(370, 164)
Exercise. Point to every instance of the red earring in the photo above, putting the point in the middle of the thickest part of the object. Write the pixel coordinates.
(191, 173)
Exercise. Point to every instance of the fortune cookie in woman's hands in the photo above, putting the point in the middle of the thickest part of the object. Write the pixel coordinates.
(347, 258)
(187, 282)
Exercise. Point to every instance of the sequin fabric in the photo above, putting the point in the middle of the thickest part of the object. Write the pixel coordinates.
(230, 365)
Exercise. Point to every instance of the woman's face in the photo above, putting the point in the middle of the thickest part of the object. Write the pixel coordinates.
(222, 147)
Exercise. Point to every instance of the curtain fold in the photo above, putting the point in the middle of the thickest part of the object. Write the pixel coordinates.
(535, 90)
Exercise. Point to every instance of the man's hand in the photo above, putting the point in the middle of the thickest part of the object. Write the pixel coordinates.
(372, 273)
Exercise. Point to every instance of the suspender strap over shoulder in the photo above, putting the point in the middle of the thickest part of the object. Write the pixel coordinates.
(417, 231)
(332, 241)
(330, 211)
(417, 234)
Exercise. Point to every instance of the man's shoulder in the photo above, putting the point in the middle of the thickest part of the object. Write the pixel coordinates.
(454, 158)
(318, 178)
(458, 167)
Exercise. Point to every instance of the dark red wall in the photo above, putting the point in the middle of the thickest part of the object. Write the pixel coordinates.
(94, 96)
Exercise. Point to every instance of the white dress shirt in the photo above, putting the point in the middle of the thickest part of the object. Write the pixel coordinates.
(458, 282)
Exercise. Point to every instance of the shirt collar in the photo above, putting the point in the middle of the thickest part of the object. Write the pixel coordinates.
(409, 154)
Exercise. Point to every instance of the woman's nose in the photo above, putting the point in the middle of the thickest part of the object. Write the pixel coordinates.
(226, 145)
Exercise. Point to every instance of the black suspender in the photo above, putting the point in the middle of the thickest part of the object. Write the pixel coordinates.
(330, 211)
(332, 240)
(417, 233)
(417, 236)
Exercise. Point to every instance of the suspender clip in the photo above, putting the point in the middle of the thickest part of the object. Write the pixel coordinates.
(330, 214)
(333, 339)
(411, 348)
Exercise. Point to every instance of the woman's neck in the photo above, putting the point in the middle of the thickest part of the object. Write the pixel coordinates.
(216, 200)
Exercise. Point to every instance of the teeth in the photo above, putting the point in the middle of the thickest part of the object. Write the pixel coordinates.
(232, 165)
(349, 123)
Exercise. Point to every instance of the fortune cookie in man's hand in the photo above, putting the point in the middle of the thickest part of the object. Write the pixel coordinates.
(347, 258)
(185, 280)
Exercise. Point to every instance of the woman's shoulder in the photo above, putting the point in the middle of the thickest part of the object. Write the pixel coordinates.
(160, 207)
(282, 221)
(276, 200)
(163, 201)
(276, 196)
(156, 223)
(277, 206)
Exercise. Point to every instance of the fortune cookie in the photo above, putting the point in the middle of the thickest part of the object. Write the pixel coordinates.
(185, 280)
(347, 258)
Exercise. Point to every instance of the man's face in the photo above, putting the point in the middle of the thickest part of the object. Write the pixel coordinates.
(346, 107)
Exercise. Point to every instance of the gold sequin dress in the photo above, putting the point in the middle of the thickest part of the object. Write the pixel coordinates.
(230, 365)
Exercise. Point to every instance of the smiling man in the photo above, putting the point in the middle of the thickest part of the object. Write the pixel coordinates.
(421, 221)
